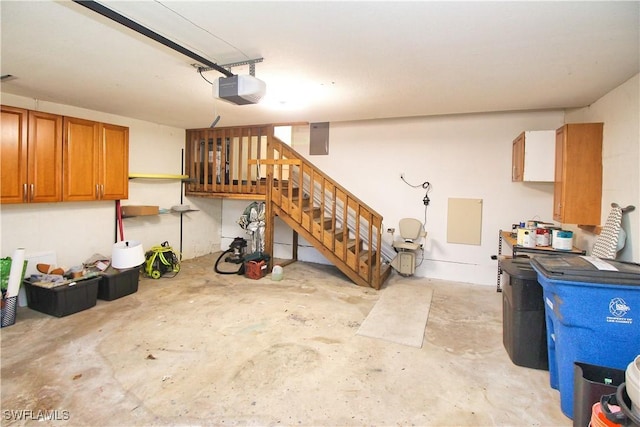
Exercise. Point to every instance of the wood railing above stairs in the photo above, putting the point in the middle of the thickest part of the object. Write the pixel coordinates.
(250, 163)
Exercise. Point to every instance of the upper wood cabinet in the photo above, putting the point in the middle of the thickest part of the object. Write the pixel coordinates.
(96, 161)
(31, 156)
(114, 174)
(532, 156)
(577, 193)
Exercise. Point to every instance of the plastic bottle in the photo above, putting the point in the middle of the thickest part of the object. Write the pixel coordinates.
(277, 273)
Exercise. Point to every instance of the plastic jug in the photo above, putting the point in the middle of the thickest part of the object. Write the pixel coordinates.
(277, 273)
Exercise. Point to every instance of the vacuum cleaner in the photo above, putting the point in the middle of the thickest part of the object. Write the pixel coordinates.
(234, 255)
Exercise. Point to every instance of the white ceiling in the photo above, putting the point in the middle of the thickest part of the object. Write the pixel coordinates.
(352, 59)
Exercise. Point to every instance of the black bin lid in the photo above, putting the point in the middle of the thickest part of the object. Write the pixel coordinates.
(519, 268)
(574, 268)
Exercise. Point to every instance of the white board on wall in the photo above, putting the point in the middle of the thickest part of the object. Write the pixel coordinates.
(464, 221)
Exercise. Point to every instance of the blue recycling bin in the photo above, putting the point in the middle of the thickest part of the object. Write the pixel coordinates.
(592, 311)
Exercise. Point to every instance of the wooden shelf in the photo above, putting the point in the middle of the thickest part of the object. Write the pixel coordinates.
(161, 212)
(511, 241)
(182, 212)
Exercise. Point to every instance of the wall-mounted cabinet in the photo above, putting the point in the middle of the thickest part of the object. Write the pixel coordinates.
(96, 161)
(532, 156)
(577, 193)
(51, 158)
(31, 156)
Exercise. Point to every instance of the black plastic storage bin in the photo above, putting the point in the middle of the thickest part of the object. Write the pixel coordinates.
(524, 330)
(116, 284)
(590, 383)
(62, 300)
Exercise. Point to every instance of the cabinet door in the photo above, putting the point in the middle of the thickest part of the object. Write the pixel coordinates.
(578, 190)
(31, 156)
(13, 167)
(114, 154)
(81, 154)
(44, 156)
(517, 159)
(558, 176)
(538, 151)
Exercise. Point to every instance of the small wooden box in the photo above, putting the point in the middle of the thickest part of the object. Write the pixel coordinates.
(138, 210)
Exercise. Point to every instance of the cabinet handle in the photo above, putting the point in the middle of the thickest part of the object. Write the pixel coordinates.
(24, 193)
(97, 191)
(32, 191)
(102, 191)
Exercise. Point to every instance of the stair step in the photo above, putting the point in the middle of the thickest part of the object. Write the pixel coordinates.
(339, 234)
(314, 211)
(364, 258)
(363, 265)
(295, 192)
(327, 223)
(352, 243)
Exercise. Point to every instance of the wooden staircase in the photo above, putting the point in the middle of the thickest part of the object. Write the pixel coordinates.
(250, 163)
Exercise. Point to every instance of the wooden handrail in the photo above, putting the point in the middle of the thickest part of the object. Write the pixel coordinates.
(290, 152)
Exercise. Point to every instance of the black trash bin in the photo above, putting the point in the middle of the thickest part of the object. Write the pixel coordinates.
(524, 330)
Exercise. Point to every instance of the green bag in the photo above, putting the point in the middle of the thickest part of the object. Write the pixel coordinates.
(5, 270)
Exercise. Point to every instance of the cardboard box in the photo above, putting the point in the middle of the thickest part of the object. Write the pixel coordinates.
(62, 300)
(138, 210)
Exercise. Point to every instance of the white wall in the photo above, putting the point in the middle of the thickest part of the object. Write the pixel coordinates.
(619, 110)
(77, 230)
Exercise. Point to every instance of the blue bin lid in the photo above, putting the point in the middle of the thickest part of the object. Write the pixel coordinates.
(573, 268)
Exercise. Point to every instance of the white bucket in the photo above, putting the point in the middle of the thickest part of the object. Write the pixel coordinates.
(562, 240)
(632, 381)
(526, 238)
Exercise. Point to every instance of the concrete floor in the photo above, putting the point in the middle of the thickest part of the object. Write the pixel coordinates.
(209, 349)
